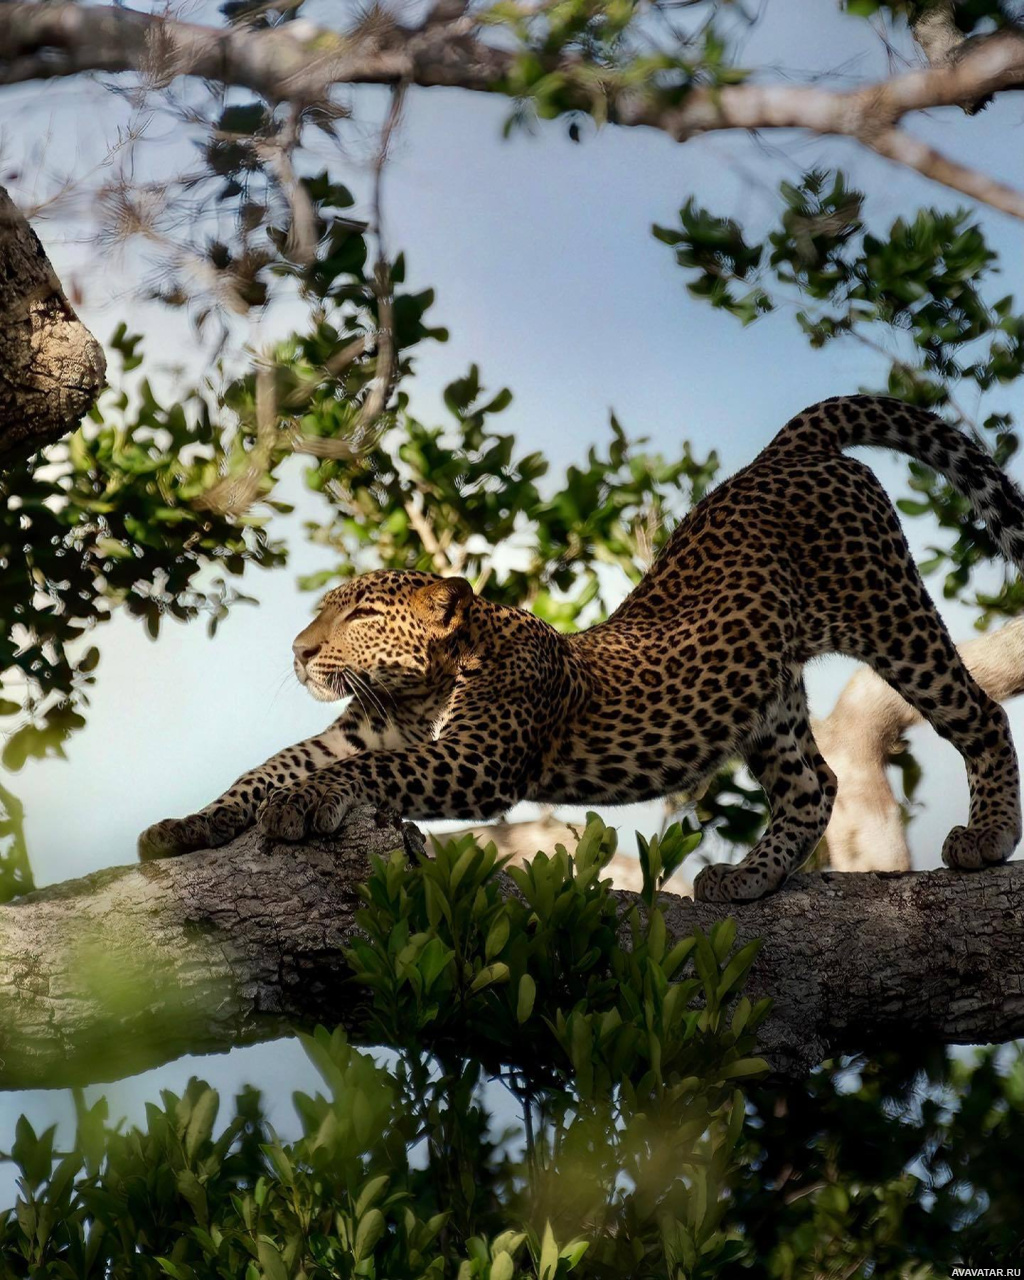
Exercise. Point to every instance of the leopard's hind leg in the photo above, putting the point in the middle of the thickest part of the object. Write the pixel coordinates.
(800, 788)
(929, 673)
(903, 637)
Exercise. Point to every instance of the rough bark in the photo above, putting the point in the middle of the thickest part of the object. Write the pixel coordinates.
(301, 63)
(131, 967)
(51, 367)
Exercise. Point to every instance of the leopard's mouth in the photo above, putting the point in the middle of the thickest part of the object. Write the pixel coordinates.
(331, 686)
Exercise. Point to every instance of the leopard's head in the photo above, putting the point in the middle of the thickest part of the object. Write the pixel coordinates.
(393, 630)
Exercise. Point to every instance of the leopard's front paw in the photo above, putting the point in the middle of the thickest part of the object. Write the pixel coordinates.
(720, 883)
(308, 808)
(175, 836)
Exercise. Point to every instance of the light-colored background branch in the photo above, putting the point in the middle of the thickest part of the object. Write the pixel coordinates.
(302, 64)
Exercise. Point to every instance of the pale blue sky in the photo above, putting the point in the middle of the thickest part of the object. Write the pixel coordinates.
(548, 277)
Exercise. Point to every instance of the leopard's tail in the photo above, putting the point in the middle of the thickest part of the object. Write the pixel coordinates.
(845, 421)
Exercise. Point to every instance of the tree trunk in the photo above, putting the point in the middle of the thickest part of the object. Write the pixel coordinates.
(134, 966)
(51, 367)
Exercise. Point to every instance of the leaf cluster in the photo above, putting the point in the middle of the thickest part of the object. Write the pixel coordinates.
(897, 1165)
(918, 294)
(461, 498)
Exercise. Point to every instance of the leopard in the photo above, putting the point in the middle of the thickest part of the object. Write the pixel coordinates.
(459, 707)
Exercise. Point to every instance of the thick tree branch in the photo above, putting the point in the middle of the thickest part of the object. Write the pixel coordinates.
(898, 145)
(134, 966)
(51, 367)
(302, 64)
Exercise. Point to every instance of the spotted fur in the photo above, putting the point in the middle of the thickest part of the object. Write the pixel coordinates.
(461, 707)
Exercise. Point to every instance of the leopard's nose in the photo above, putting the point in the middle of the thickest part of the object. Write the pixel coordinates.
(305, 651)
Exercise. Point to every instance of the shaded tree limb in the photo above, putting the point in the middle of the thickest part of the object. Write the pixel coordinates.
(51, 367)
(134, 966)
(301, 64)
(937, 35)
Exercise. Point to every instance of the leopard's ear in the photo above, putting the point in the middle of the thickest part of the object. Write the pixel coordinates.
(445, 602)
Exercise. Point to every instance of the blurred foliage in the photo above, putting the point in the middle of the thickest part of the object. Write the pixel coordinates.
(920, 295)
(576, 57)
(627, 1132)
(107, 520)
(15, 871)
(967, 15)
(901, 1166)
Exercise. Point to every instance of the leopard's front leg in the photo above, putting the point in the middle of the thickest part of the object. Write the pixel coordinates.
(235, 811)
(449, 778)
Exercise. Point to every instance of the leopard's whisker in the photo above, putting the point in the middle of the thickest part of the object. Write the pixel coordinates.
(360, 682)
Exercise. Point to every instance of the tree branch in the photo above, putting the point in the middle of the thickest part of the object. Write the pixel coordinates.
(898, 145)
(300, 63)
(51, 367)
(131, 967)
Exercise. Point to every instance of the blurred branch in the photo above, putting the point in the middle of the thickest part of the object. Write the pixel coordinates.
(301, 64)
(233, 495)
(943, 43)
(278, 153)
(51, 367)
(134, 966)
(865, 730)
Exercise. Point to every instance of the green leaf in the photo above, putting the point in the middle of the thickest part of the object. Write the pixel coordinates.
(370, 1229)
(527, 996)
(371, 1193)
(489, 974)
(744, 1067)
(548, 1262)
(271, 1260)
(497, 936)
(201, 1122)
(503, 1267)
(736, 970)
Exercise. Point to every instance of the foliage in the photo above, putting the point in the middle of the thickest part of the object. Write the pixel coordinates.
(104, 521)
(919, 294)
(157, 502)
(967, 15)
(151, 502)
(15, 872)
(577, 57)
(891, 1167)
(629, 1123)
(462, 499)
